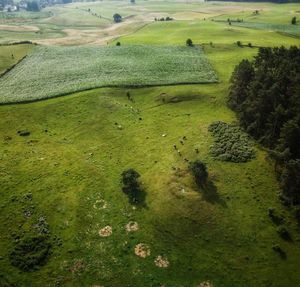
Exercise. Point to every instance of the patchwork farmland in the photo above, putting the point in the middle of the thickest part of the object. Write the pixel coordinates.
(156, 151)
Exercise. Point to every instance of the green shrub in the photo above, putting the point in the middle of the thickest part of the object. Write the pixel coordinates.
(189, 42)
(230, 143)
(30, 253)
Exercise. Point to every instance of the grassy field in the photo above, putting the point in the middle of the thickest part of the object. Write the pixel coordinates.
(50, 71)
(10, 55)
(71, 164)
(227, 240)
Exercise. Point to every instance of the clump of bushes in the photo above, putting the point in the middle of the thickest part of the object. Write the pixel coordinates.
(230, 143)
(30, 252)
(239, 43)
(164, 19)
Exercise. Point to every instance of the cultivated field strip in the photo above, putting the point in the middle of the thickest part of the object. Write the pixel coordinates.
(53, 71)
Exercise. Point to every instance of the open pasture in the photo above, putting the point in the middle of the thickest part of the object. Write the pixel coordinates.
(67, 169)
(53, 71)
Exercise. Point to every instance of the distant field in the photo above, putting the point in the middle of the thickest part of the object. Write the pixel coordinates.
(54, 71)
(289, 29)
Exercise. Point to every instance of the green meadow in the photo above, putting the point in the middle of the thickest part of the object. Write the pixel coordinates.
(68, 169)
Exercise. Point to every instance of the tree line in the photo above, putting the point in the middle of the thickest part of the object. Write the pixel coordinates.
(265, 94)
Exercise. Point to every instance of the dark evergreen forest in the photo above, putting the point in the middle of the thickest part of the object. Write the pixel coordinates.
(265, 94)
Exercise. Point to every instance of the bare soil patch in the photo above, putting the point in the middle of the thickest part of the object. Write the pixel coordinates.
(161, 262)
(205, 284)
(105, 231)
(142, 250)
(132, 226)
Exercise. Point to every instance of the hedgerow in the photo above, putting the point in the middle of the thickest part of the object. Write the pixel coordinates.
(230, 143)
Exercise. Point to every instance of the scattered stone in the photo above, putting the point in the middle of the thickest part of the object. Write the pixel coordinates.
(164, 135)
(132, 226)
(142, 250)
(161, 262)
(120, 127)
(105, 231)
(7, 138)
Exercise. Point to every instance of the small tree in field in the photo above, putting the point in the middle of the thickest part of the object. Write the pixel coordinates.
(118, 44)
(189, 42)
(294, 21)
(131, 185)
(239, 43)
(199, 171)
(117, 18)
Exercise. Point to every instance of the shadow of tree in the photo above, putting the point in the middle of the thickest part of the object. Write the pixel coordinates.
(137, 198)
(210, 194)
(281, 252)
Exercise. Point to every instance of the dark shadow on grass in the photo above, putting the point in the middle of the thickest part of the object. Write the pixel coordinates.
(281, 252)
(210, 194)
(138, 198)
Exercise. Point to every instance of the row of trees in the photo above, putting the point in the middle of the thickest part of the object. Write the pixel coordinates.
(265, 94)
